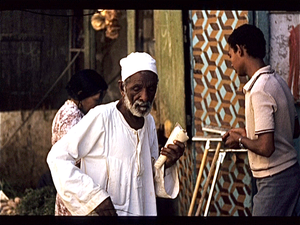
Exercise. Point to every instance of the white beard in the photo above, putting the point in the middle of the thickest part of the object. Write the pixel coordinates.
(135, 107)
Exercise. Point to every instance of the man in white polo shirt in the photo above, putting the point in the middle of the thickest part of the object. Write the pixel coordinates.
(271, 125)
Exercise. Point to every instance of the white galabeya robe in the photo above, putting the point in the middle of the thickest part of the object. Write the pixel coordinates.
(116, 161)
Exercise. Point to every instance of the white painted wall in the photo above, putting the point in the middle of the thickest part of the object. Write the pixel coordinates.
(280, 26)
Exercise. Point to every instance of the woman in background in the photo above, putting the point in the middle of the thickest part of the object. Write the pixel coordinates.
(86, 89)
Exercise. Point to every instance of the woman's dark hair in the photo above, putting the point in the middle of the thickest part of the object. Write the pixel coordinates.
(85, 83)
(251, 38)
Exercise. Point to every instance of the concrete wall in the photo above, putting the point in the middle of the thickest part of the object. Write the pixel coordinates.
(280, 27)
(23, 153)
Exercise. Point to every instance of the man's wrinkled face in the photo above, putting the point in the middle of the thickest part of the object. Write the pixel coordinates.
(139, 93)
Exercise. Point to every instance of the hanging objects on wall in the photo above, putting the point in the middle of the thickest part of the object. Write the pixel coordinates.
(98, 20)
(107, 20)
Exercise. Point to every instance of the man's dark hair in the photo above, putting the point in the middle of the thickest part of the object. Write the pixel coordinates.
(251, 38)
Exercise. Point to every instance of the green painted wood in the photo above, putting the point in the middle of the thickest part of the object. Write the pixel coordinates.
(169, 54)
(87, 49)
(130, 31)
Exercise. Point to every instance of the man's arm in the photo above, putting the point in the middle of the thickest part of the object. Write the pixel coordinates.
(263, 145)
(78, 191)
(264, 107)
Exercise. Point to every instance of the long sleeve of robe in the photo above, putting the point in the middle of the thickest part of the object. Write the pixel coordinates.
(116, 161)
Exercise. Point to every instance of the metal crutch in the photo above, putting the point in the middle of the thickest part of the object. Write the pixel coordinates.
(207, 145)
(208, 179)
(219, 162)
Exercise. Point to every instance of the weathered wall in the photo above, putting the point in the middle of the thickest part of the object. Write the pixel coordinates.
(281, 24)
(22, 159)
(34, 52)
(280, 27)
(23, 154)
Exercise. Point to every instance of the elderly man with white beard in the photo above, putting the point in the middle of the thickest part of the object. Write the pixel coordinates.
(117, 144)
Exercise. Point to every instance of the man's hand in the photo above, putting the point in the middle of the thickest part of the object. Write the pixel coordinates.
(173, 153)
(106, 208)
(231, 137)
(263, 145)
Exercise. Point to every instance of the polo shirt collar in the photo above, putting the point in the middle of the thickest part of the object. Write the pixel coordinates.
(250, 83)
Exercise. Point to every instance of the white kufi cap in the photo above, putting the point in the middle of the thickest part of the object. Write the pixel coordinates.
(135, 62)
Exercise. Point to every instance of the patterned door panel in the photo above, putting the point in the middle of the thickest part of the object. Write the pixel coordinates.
(218, 101)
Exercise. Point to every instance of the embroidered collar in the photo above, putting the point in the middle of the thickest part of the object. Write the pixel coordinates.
(256, 75)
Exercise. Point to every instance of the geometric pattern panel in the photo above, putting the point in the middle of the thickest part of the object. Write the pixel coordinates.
(219, 102)
(232, 192)
(185, 170)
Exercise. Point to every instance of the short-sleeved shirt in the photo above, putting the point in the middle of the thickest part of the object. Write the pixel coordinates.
(269, 107)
